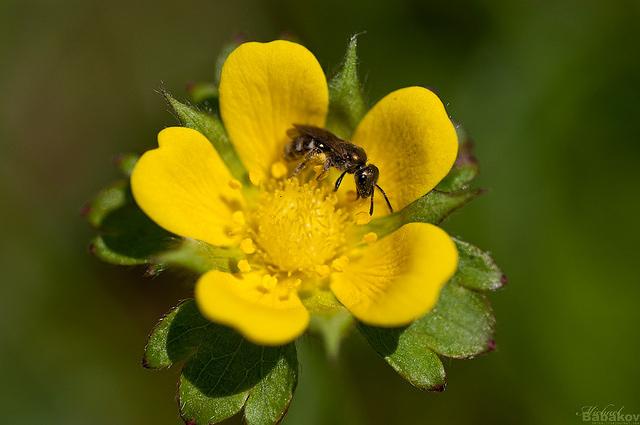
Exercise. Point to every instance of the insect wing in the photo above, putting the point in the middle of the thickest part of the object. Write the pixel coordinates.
(316, 133)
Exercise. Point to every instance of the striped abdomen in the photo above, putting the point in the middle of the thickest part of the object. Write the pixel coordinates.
(300, 145)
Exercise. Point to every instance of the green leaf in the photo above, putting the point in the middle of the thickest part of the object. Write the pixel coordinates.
(186, 332)
(128, 237)
(113, 196)
(460, 326)
(476, 269)
(465, 169)
(102, 251)
(108, 199)
(346, 102)
(434, 207)
(211, 127)
(409, 356)
(269, 400)
(223, 372)
(129, 232)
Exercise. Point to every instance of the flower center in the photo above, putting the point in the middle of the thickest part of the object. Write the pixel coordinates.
(298, 226)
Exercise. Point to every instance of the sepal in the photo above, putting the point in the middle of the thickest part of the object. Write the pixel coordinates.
(346, 101)
(211, 127)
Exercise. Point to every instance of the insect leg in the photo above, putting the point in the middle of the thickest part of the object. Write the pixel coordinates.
(339, 181)
(385, 198)
(325, 168)
(305, 161)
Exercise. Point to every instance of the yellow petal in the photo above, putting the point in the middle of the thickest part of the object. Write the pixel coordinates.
(183, 186)
(265, 314)
(411, 139)
(265, 88)
(398, 278)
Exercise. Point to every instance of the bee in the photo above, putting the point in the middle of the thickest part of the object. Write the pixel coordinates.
(307, 142)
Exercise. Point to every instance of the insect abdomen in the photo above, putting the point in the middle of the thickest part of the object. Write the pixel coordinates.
(299, 146)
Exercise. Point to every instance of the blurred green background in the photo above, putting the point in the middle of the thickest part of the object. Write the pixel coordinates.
(549, 91)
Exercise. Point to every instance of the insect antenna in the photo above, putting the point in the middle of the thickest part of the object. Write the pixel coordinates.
(371, 207)
(385, 198)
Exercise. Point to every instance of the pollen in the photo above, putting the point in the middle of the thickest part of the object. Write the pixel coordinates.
(318, 171)
(298, 226)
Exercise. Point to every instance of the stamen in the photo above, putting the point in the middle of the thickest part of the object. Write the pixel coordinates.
(269, 282)
(247, 246)
(244, 266)
(297, 227)
(284, 289)
(362, 218)
(370, 237)
(283, 292)
(323, 270)
(235, 184)
(238, 218)
(279, 170)
(340, 263)
(317, 171)
(255, 177)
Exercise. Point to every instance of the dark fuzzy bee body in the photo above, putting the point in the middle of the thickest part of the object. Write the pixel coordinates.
(307, 142)
(302, 143)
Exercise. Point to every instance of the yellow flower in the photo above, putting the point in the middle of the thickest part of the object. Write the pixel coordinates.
(296, 234)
